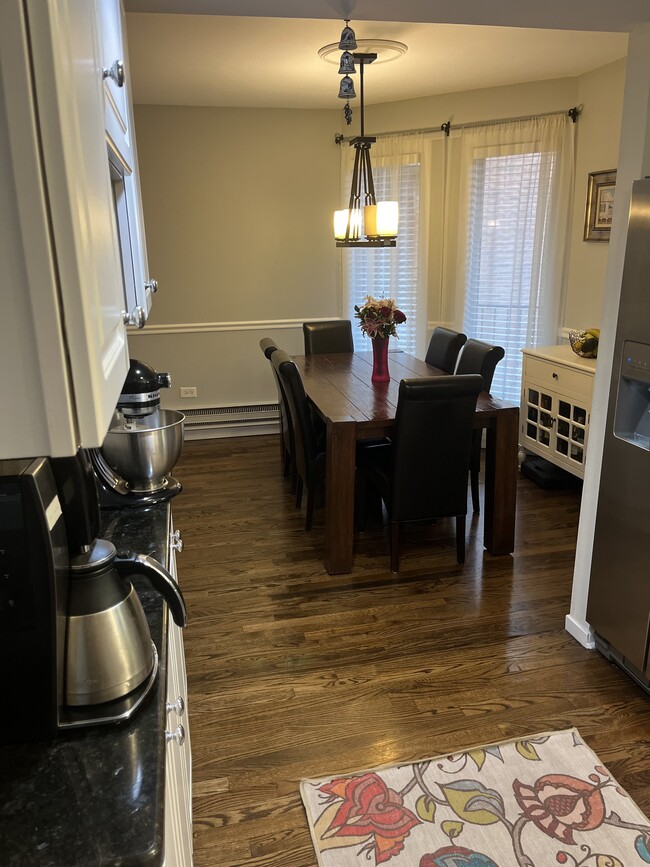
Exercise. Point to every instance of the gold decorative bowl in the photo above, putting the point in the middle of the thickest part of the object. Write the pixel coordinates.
(585, 343)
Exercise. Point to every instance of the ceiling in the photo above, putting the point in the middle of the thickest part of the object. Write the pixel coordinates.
(193, 52)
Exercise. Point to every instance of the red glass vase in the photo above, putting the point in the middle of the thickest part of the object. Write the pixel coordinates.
(380, 359)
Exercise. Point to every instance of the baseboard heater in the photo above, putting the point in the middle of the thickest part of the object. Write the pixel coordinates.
(230, 421)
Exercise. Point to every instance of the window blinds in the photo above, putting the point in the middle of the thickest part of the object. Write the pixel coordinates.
(507, 231)
(517, 189)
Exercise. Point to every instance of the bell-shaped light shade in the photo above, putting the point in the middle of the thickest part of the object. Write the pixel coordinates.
(341, 219)
(346, 67)
(346, 88)
(348, 41)
(381, 220)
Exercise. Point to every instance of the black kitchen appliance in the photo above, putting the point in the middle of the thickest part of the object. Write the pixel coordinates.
(141, 446)
(75, 648)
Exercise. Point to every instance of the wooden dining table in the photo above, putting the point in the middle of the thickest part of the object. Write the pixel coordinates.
(340, 389)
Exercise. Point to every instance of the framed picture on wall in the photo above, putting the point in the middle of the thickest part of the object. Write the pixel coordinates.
(600, 205)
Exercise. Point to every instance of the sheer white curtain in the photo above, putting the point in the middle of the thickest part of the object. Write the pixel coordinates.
(401, 171)
(513, 184)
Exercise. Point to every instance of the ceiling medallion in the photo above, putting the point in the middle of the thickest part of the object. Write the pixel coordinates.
(385, 49)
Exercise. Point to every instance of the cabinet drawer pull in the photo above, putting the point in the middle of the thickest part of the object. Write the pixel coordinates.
(555, 375)
(152, 286)
(178, 706)
(116, 72)
(178, 735)
(176, 542)
(136, 317)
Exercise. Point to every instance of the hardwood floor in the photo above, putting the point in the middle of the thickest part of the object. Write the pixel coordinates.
(294, 673)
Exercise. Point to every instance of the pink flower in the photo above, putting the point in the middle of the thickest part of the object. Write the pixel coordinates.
(559, 805)
(378, 317)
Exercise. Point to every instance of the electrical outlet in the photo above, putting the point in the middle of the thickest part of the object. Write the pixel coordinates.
(188, 391)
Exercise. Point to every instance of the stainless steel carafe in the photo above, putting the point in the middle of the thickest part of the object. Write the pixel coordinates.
(109, 647)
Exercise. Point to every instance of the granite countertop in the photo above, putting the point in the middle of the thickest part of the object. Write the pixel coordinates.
(95, 797)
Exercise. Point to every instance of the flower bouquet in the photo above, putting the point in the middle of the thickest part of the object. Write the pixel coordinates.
(378, 318)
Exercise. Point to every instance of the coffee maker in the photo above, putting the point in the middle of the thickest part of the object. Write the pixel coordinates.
(75, 648)
(142, 445)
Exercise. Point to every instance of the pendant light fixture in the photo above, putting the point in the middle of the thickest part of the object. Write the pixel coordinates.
(365, 222)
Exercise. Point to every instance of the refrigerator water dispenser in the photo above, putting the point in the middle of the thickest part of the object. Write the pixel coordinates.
(632, 418)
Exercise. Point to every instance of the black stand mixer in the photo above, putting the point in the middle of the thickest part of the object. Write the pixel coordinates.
(142, 445)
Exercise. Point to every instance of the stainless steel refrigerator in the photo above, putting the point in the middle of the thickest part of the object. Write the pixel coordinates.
(618, 606)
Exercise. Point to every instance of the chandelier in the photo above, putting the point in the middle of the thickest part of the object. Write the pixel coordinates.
(365, 222)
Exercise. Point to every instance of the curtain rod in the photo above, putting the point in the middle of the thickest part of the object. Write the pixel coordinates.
(446, 127)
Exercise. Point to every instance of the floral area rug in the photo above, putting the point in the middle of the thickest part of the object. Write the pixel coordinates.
(543, 801)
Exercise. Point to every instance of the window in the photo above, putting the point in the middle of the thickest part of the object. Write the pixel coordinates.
(515, 187)
(506, 231)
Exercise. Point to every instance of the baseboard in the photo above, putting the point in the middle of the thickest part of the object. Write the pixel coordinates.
(231, 421)
(240, 430)
(581, 631)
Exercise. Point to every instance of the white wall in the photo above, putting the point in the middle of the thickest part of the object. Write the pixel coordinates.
(634, 163)
(601, 94)
(237, 206)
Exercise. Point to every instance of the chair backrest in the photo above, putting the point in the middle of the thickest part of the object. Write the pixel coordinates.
(268, 347)
(480, 357)
(433, 436)
(332, 336)
(444, 347)
(303, 428)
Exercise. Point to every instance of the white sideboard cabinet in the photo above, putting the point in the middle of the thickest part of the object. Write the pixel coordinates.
(556, 394)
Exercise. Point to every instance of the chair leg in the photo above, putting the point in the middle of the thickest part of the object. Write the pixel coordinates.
(286, 469)
(310, 508)
(394, 546)
(360, 501)
(476, 503)
(460, 538)
(298, 492)
(474, 469)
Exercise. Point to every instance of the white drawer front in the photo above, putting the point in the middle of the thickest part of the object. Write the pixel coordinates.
(558, 377)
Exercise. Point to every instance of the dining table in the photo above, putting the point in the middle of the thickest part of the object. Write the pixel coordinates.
(353, 408)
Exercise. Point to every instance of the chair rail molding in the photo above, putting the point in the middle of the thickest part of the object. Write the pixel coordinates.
(206, 327)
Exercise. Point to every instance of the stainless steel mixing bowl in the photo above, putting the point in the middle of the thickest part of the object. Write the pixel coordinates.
(144, 451)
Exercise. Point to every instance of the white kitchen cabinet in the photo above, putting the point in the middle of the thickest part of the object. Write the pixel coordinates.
(63, 348)
(556, 394)
(123, 160)
(178, 766)
(63, 341)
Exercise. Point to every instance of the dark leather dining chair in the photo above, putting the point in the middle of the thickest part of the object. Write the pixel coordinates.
(310, 458)
(287, 447)
(482, 358)
(444, 347)
(422, 474)
(332, 336)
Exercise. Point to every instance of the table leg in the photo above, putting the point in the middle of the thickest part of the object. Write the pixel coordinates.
(501, 482)
(339, 496)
